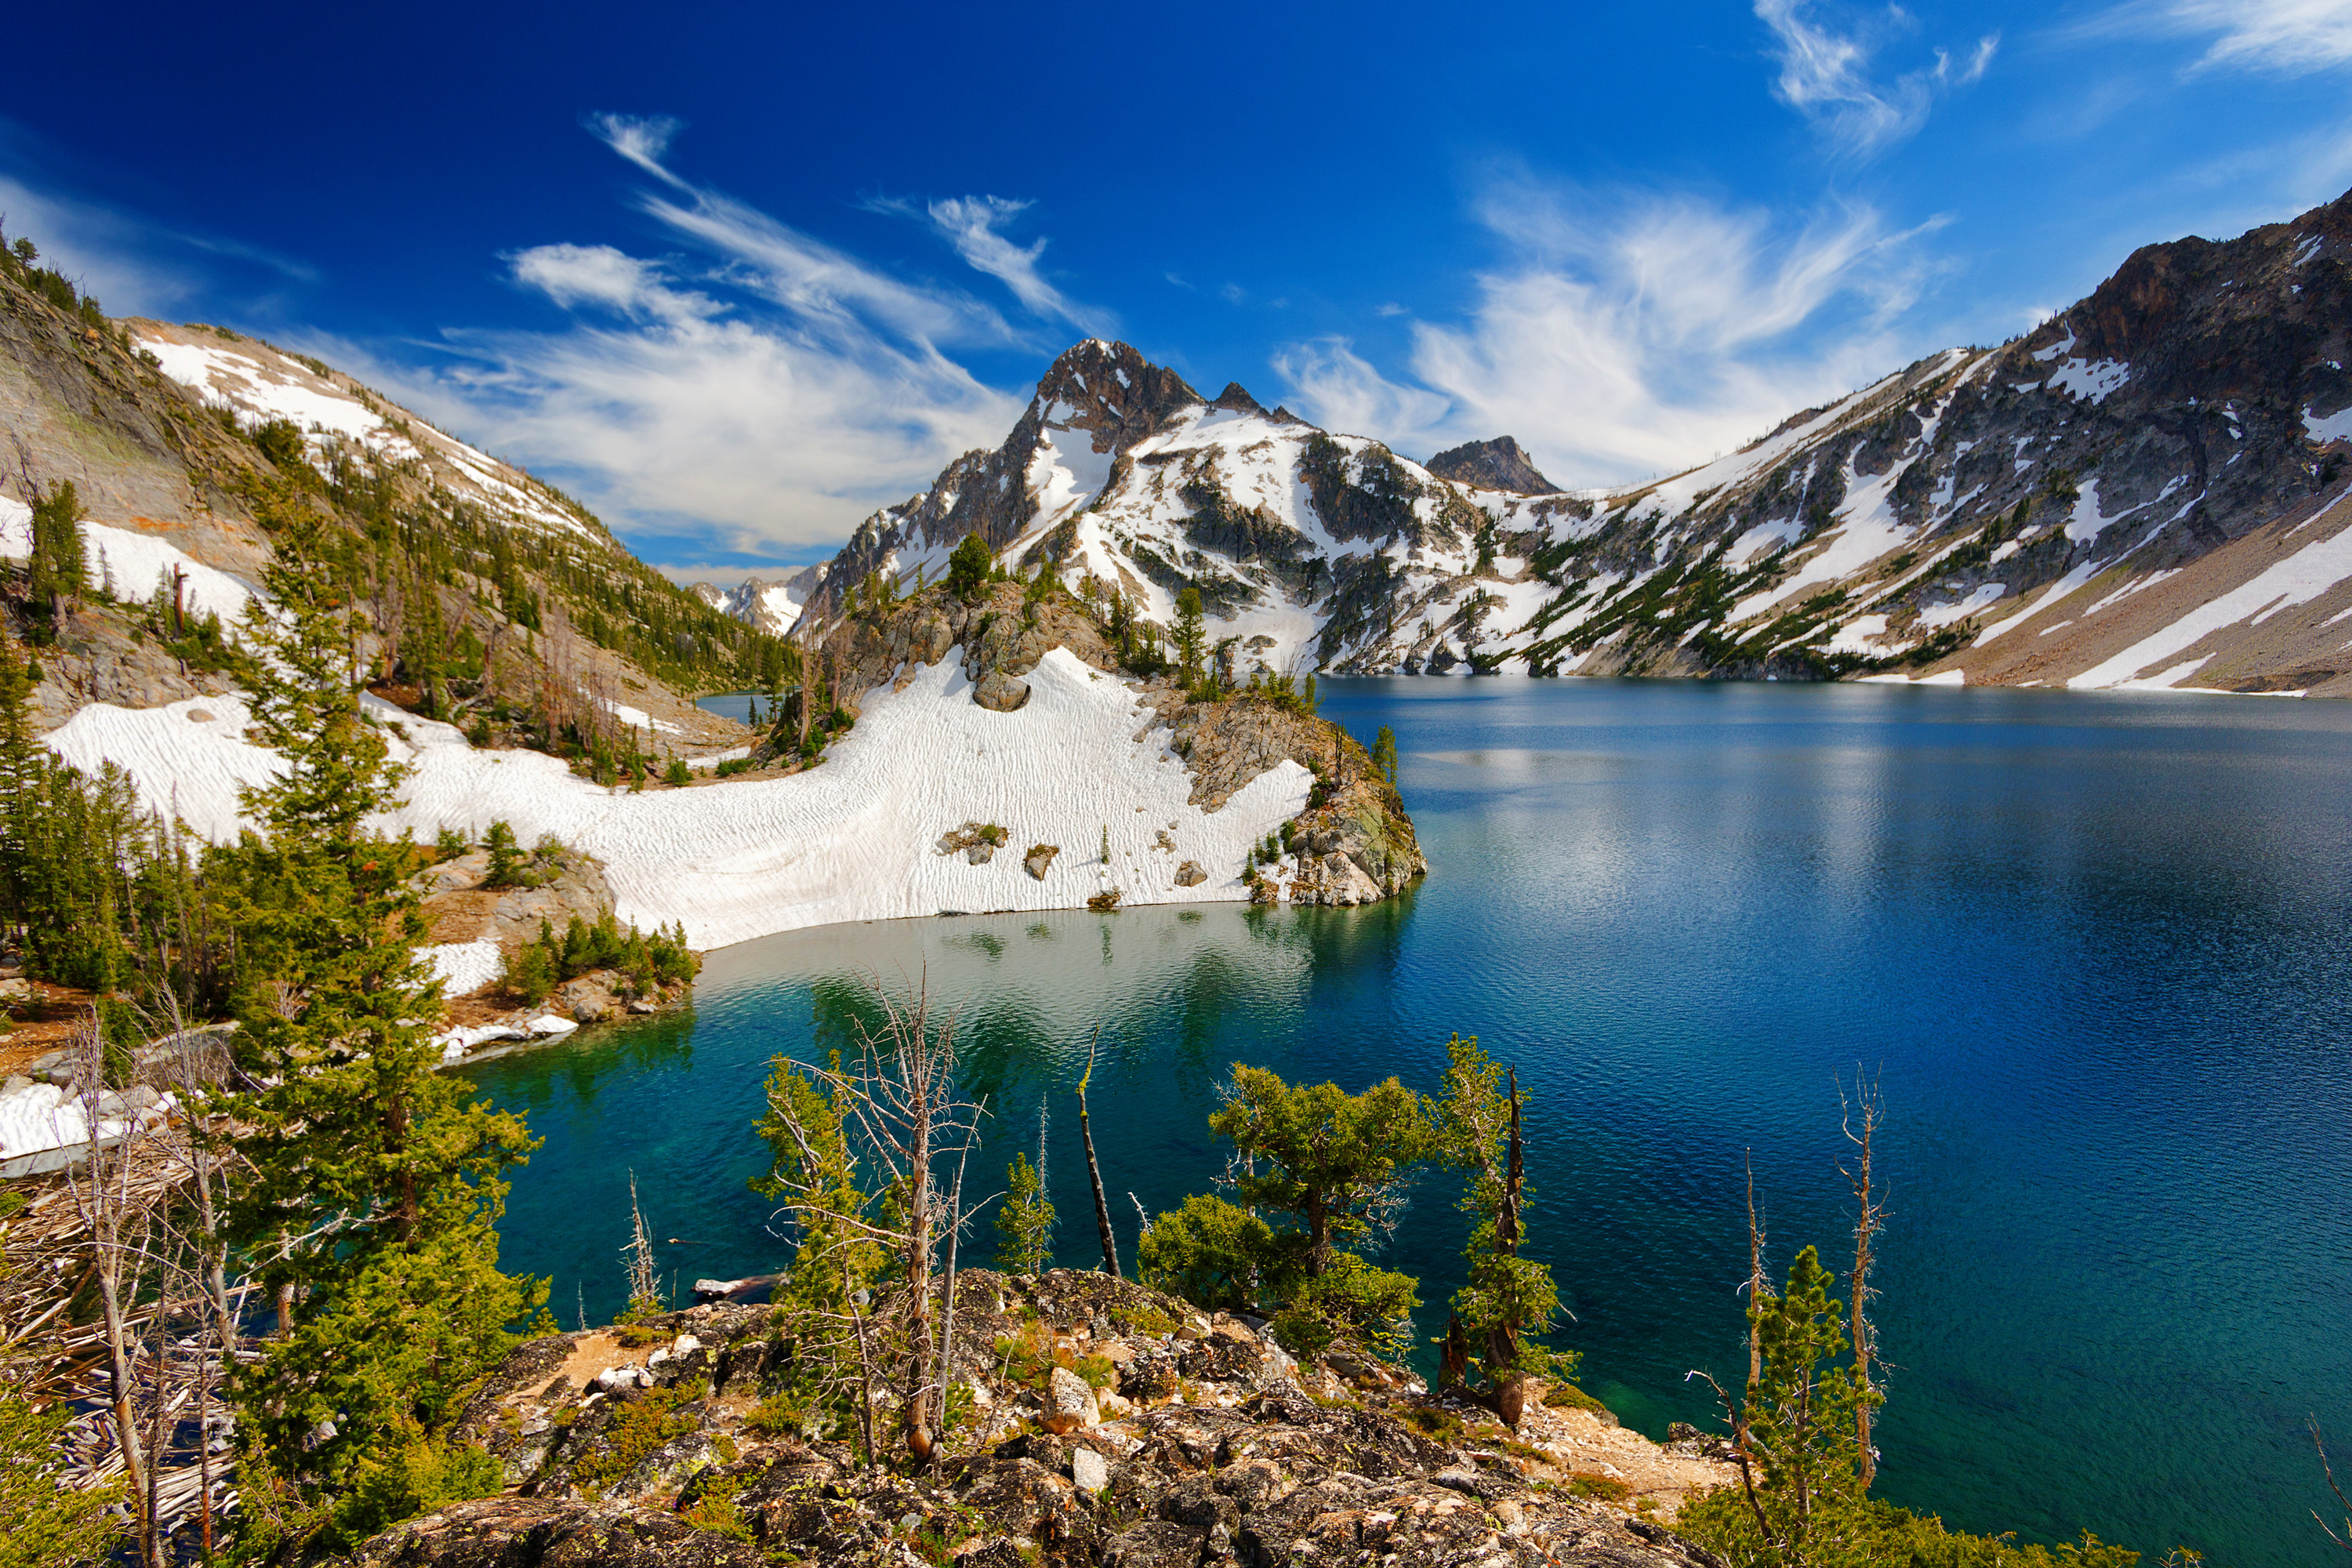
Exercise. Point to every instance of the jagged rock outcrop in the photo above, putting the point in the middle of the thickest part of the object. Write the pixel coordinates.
(1190, 1442)
(1496, 465)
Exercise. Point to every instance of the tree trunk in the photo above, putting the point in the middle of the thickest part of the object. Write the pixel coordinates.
(1102, 1206)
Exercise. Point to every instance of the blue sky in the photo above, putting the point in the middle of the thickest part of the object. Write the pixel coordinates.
(738, 276)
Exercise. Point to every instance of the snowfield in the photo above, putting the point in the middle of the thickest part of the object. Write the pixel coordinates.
(853, 840)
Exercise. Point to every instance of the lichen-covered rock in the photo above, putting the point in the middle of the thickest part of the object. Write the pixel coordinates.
(1069, 1403)
(515, 1532)
(999, 693)
(1224, 1453)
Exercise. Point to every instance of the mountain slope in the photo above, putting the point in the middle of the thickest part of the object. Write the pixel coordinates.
(2145, 490)
(495, 600)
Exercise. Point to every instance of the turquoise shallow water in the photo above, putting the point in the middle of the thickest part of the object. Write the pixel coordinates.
(2096, 946)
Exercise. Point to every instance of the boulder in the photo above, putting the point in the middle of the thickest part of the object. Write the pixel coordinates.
(1089, 1469)
(1069, 1403)
(1039, 859)
(1190, 875)
(999, 693)
(1157, 1545)
(588, 997)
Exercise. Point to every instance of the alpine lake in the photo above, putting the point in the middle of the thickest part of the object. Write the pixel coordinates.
(2092, 948)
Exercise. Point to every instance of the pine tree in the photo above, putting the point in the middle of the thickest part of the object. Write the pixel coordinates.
(968, 567)
(1190, 634)
(1384, 756)
(1499, 1317)
(1025, 1225)
(374, 1184)
(57, 570)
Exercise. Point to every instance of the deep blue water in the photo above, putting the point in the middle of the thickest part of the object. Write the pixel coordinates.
(2094, 947)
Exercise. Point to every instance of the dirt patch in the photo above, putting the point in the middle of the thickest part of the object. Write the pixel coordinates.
(459, 916)
(41, 1024)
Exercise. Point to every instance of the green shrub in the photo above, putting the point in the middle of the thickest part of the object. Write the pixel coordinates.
(1216, 1254)
(1568, 1396)
(417, 1476)
(638, 1427)
(1849, 1532)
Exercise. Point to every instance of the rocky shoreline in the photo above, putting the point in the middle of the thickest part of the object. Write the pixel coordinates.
(1106, 1425)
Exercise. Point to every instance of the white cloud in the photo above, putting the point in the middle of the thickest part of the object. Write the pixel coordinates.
(971, 224)
(773, 393)
(1824, 76)
(1627, 338)
(2291, 37)
(1344, 391)
(576, 275)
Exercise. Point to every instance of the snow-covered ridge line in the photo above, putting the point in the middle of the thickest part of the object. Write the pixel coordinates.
(259, 384)
(853, 840)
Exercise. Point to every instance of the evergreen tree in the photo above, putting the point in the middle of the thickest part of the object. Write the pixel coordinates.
(58, 569)
(1024, 1224)
(1190, 634)
(49, 1525)
(1331, 1159)
(1384, 756)
(507, 862)
(1498, 1316)
(1330, 1165)
(968, 567)
(374, 1185)
(816, 1174)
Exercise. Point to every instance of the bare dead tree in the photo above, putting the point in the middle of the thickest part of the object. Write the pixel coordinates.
(645, 1284)
(1859, 1120)
(201, 1251)
(2344, 1540)
(901, 1116)
(117, 1215)
(1755, 1279)
(1094, 1171)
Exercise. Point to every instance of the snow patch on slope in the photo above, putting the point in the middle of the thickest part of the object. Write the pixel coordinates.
(2298, 579)
(853, 840)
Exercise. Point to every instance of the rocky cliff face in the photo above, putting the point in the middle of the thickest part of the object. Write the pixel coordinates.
(1194, 1443)
(1496, 465)
(2142, 491)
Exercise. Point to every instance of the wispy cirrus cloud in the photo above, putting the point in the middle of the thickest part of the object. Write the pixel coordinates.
(974, 226)
(1623, 337)
(1825, 75)
(134, 265)
(760, 383)
(2289, 38)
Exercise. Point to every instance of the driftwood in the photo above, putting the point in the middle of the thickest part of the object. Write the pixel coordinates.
(115, 1304)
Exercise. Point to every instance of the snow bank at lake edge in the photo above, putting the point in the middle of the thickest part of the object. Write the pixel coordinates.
(852, 839)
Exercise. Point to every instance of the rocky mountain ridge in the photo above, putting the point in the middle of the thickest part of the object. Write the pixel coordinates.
(186, 444)
(2146, 489)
